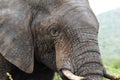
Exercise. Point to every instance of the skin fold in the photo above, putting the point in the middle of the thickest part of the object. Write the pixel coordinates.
(41, 37)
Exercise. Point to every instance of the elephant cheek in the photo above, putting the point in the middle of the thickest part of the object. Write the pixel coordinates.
(59, 59)
(63, 52)
(63, 61)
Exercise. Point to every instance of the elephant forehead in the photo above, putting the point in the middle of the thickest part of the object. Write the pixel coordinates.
(41, 2)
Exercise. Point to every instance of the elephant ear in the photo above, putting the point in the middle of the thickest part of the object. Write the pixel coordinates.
(16, 44)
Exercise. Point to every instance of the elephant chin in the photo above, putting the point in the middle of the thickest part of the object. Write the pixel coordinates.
(70, 76)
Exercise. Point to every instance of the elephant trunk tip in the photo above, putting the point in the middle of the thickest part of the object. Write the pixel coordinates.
(111, 77)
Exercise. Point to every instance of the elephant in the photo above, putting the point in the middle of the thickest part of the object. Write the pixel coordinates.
(41, 37)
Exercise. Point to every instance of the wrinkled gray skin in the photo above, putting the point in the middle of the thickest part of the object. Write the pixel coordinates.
(40, 37)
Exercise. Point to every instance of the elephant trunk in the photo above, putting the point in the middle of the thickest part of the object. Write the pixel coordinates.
(85, 63)
(80, 55)
(88, 64)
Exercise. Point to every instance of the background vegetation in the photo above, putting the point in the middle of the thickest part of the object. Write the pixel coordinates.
(109, 41)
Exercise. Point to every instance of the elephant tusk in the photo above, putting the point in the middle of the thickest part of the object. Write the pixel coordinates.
(71, 76)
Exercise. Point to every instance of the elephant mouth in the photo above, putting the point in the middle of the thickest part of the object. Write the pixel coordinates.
(68, 75)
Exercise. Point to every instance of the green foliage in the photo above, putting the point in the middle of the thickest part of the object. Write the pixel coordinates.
(57, 77)
(9, 76)
(112, 67)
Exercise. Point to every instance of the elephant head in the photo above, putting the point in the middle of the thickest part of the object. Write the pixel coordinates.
(62, 34)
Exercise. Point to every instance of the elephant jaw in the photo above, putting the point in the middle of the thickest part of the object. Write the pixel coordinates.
(71, 76)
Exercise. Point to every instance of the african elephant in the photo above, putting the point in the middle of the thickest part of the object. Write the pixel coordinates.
(41, 37)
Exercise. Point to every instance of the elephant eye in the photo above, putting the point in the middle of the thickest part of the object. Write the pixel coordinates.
(54, 32)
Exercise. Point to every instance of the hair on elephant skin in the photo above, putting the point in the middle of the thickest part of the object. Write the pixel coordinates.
(41, 37)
